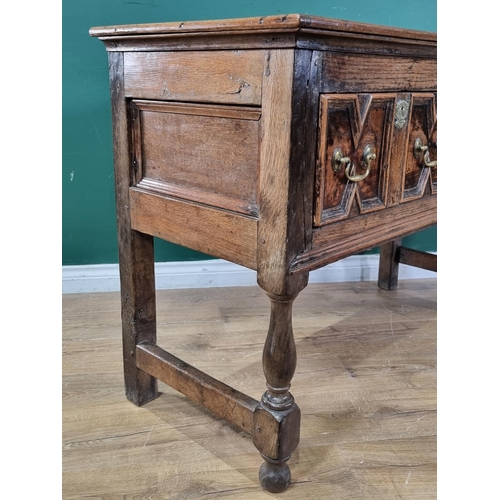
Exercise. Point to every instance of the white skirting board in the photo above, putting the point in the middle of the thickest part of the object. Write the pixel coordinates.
(220, 273)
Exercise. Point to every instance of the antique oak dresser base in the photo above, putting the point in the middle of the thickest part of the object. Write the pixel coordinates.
(281, 144)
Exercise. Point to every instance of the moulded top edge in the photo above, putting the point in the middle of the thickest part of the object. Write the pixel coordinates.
(283, 23)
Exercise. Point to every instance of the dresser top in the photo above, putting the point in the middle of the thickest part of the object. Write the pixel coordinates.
(291, 23)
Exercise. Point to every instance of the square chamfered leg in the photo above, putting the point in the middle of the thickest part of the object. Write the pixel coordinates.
(138, 304)
(392, 254)
(389, 265)
(136, 254)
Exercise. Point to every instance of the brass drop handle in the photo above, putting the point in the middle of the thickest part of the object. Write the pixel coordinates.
(419, 148)
(340, 160)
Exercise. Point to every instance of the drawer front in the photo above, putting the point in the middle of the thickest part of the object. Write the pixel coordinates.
(348, 125)
(231, 77)
(422, 129)
(366, 156)
(203, 153)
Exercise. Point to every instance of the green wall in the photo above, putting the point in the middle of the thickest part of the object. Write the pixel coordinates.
(88, 216)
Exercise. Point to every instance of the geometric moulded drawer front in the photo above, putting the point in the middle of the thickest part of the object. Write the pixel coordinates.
(203, 153)
(353, 155)
(422, 131)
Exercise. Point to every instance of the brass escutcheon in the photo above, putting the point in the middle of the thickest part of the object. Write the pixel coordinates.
(402, 108)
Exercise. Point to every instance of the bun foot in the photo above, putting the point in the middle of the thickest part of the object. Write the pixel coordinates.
(275, 476)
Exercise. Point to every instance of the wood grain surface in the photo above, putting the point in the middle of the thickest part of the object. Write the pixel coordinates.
(135, 250)
(363, 73)
(201, 228)
(289, 22)
(231, 77)
(365, 382)
(205, 153)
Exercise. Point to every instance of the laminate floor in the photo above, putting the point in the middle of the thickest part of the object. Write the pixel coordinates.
(365, 382)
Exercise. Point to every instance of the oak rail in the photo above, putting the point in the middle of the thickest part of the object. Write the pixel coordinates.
(417, 258)
(221, 399)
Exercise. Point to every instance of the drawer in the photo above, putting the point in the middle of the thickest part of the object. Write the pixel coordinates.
(203, 153)
(352, 126)
(359, 137)
(422, 129)
(225, 76)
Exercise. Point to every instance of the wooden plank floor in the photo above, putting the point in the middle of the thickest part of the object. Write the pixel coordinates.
(365, 382)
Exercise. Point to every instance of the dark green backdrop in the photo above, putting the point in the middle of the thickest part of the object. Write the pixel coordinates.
(88, 218)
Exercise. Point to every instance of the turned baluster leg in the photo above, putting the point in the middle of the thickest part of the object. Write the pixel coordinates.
(277, 418)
